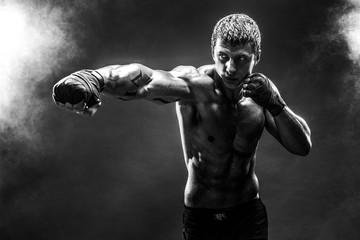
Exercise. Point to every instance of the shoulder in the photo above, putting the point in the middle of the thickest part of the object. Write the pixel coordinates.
(202, 74)
(185, 72)
(200, 80)
(207, 69)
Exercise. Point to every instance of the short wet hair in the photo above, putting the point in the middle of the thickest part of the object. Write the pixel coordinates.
(237, 29)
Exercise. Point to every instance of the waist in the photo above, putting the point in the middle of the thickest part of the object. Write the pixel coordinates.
(199, 193)
(223, 213)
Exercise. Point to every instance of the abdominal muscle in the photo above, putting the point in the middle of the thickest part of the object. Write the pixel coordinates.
(220, 182)
(220, 153)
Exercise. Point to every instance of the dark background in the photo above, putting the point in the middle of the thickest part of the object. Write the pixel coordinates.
(121, 173)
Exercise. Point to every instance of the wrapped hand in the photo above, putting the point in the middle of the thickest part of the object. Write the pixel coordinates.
(263, 92)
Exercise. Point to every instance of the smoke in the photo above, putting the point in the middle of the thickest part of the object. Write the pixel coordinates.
(349, 27)
(37, 40)
(333, 58)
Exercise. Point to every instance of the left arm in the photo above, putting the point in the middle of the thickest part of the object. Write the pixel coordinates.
(288, 128)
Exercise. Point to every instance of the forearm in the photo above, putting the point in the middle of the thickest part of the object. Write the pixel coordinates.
(125, 81)
(136, 81)
(293, 132)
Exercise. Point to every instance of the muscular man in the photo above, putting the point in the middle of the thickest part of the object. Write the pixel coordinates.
(222, 110)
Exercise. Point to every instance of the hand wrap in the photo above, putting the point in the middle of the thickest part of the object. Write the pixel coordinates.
(82, 85)
(264, 93)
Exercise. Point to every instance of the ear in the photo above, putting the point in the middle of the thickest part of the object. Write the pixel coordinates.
(257, 57)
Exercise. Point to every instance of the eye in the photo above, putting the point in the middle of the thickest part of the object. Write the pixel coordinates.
(242, 58)
(223, 57)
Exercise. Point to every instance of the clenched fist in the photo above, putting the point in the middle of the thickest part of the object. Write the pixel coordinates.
(79, 92)
(263, 92)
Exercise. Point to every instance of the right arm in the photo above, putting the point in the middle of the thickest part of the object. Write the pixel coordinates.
(136, 81)
(79, 92)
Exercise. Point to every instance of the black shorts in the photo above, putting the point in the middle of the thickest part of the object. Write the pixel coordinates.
(244, 221)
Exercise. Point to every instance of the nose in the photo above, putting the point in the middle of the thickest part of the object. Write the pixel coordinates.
(231, 67)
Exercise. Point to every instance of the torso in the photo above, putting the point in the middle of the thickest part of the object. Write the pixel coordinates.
(220, 137)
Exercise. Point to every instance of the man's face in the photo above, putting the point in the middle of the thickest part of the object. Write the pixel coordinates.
(233, 63)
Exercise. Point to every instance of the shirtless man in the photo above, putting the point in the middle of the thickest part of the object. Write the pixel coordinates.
(222, 110)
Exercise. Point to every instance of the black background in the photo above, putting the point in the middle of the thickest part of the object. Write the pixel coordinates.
(120, 174)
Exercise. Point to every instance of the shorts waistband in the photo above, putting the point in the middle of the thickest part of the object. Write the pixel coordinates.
(220, 214)
(239, 206)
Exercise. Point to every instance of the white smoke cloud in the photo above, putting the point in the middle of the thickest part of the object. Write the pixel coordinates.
(349, 24)
(35, 41)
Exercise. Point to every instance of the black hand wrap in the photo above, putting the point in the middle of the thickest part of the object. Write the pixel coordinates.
(265, 94)
(275, 104)
(82, 85)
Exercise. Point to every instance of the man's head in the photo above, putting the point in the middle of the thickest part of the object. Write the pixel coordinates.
(235, 48)
(237, 29)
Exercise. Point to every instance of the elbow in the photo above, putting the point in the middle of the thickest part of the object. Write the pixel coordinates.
(304, 150)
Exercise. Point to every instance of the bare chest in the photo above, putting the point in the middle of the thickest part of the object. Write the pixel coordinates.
(221, 125)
